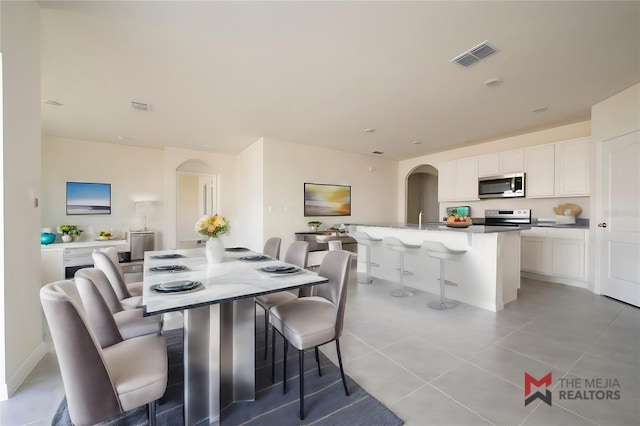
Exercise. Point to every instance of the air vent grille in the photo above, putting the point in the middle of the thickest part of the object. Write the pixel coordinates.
(140, 106)
(474, 54)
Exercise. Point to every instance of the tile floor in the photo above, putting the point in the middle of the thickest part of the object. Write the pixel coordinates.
(460, 367)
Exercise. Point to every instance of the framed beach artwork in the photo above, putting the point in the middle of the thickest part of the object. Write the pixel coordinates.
(88, 198)
(327, 200)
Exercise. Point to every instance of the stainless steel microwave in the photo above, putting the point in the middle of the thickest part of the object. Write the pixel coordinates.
(509, 185)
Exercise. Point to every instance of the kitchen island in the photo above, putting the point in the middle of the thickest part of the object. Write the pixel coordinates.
(487, 275)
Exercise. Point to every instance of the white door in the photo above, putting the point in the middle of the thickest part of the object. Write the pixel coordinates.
(619, 211)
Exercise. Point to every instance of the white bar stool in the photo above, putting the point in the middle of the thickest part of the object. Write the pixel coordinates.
(368, 241)
(439, 251)
(395, 244)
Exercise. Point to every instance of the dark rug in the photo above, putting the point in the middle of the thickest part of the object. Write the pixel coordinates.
(325, 400)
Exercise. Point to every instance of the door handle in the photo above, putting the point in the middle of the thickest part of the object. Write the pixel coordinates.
(602, 225)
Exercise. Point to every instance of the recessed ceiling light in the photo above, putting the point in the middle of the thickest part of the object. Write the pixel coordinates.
(539, 109)
(493, 82)
(50, 102)
(378, 152)
(417, 142)
(369, 130)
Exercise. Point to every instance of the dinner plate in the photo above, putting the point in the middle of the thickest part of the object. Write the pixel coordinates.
(281, 270)
(168, 268)
(255, 258)
(167, 256)
(236, 249)
(181, 286)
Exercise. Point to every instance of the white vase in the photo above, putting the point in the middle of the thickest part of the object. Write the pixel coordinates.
(214, 250)
(66, 238)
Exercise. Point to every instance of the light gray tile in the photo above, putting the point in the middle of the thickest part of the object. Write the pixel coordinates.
(560, 354)
(428, 406)
(623, 412)
(350, 348)
(383, 378)
(421, 358)
(492, 398)
(591, 367)
(545, 415)
(511, 366)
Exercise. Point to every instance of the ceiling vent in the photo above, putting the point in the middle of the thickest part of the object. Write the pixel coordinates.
(474, 54)
(140, 106)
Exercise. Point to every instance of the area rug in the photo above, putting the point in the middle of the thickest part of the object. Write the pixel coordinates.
(325, 400)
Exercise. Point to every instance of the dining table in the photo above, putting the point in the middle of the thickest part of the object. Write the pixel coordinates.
(218, 307)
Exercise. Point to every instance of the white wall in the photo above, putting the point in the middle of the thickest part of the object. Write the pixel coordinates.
(287, 166)
(613, 117)
(21, 345)
(135, 174)
(251, 197)
(540, 207)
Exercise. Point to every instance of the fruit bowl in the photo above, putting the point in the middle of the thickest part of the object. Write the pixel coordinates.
(459, 224)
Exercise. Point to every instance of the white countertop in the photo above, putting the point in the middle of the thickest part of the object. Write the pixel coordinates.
(82, 244)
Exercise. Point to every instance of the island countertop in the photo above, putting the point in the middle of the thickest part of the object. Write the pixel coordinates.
(441, 226)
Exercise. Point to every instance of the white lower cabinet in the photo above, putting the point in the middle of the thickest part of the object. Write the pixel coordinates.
(558, 254)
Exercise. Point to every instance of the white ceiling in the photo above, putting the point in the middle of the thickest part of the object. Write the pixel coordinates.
(220, 75)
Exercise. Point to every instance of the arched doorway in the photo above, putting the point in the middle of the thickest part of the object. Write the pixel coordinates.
(196, 195)
(422, 194)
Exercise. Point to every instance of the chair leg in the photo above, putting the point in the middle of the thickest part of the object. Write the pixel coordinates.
(344, 380)
(273, 355)
(284, 366)
(301, 361)
(318, 361)
(152, 413)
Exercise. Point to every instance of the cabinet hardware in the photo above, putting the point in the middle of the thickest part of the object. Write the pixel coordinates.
(602, 225)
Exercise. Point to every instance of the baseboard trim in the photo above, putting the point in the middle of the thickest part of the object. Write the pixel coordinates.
(21, 374)
(556, 280)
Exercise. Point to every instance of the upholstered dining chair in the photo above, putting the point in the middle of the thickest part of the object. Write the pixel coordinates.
(272, 247)
(310, 322)
(104, 261)
(297, 254)
(102, 306)
(101, 383)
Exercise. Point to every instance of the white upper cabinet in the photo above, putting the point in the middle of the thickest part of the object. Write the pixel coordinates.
(458, 180)
(572, 168)
(558, 170)
(447, 181)
(500, 163)
(540, 171)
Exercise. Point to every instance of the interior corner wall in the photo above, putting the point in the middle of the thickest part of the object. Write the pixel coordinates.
(251, 197)
(287, 166)
(21, 339)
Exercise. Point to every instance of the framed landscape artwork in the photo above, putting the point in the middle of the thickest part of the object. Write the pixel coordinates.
(327, 200)
(88, 198)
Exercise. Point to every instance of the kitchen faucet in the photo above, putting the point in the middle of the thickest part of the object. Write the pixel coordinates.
(420, 220)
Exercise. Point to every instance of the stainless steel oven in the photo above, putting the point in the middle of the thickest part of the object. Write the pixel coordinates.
(507, 217)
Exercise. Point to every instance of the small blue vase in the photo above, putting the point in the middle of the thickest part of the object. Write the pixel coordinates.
(47, 238)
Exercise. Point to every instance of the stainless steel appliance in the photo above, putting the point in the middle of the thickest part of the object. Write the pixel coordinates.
(507, 217)
(509, 185)
(141, 241)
